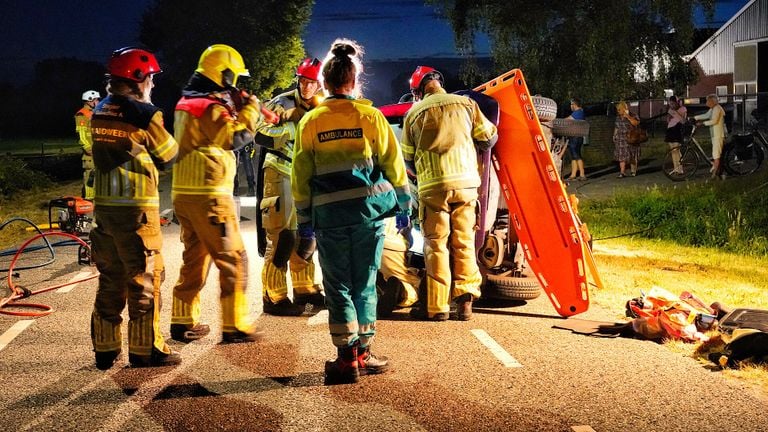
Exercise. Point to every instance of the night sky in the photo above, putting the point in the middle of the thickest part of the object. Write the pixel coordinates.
(89, 30)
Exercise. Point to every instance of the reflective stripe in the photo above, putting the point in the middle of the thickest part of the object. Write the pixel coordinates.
(361, 192)
(345, 166)
(165, 148)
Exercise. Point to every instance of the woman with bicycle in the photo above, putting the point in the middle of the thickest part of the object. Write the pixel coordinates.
(715, 119)
(677, 115)
(624, 152)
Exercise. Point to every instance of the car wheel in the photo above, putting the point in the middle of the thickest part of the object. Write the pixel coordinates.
(511, 288)
(546, 108)
(570, 128)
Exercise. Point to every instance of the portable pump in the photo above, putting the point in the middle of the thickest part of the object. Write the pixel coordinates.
(74, 216)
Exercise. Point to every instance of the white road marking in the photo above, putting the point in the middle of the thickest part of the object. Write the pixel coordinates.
(583, 428)
(68, 288)
(497, 350)
(319, 318)
(14, 331)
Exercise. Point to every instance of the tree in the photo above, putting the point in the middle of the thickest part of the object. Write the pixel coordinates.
(47, 105)
(266, 32)
(597, 49)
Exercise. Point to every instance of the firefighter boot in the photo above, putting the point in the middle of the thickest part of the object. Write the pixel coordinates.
(282, 308)
(369, 364)
(185, 333)
(464, 307)
(157, 358)
(254, 334)
(419, 312)
(344, 369)
(106, 359)
(317, 300)
(389, 295)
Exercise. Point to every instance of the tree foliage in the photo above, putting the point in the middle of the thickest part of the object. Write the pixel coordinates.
(47, 105)
(597, 49)
(266, 32)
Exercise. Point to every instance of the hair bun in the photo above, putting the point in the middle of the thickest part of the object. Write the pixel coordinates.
(342, 49)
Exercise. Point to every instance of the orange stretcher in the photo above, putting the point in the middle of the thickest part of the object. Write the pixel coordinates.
(540, 210)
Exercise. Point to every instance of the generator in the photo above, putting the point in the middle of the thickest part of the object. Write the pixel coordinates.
(74, 215)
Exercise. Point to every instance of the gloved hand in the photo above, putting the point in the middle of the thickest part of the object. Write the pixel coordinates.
(307, 243)
(402, 220)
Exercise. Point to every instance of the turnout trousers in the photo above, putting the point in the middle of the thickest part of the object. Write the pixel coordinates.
(448, 222)
(349, 258)
(126, 249)
(211, 233)
(88, 191)
(279, 216)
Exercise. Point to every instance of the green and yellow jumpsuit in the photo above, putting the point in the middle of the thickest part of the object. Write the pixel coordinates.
(129, 145)
(438, 135)
(208, 131)
(348, 176)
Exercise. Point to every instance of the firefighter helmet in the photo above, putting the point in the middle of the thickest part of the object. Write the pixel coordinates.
(134, 64)
(309, 69)
(418, 77)
(91, 95)
(222, 64)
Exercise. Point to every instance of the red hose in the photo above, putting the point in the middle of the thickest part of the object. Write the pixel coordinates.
(19, 293)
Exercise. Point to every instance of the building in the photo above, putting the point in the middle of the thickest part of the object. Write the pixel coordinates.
(734, 60)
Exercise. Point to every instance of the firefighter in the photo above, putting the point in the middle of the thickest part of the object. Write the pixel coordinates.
(278, 214)
(212, 121)
(348, 175)
(83, 128)
(130, 146)
(396, 282)
(439, 136)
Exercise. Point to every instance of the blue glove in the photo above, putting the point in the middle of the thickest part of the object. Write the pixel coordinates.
(307, 244)
(402, 220)
(305, 230)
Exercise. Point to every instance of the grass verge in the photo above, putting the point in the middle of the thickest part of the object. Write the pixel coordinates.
(32, 205)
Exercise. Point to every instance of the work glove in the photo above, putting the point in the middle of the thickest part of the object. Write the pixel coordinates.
(307, 243)
(402, 219)
(403, 225)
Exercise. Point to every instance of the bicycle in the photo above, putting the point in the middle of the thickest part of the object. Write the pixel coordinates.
(691, 155)
(744, 154)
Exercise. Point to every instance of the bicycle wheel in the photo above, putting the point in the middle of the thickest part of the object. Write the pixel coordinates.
(689, 163)
(741, 160)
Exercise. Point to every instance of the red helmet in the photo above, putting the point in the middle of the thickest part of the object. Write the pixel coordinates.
(422, 72)
(133, 64)
(309, 69)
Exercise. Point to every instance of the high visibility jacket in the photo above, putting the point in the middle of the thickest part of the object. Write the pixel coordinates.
(347, 166)
(439, 134)
(129, 145)
(207, 130)
(83, 128)
(291, 108)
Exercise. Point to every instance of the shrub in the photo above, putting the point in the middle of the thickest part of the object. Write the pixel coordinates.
(15, 176)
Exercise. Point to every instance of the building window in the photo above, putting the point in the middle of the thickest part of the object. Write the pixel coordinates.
(722, 93)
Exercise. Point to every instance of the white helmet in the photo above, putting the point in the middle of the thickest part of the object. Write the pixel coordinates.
(91, 95)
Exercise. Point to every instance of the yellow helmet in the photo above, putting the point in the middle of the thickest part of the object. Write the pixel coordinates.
(222, 64)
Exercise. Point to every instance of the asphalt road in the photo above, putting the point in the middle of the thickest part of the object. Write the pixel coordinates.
(444, 378)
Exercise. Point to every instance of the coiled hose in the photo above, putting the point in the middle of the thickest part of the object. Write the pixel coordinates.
(18, 292)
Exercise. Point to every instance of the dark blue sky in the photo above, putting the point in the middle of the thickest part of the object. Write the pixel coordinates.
(90, 29)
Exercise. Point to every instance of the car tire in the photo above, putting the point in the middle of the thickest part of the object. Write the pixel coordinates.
(546, 108)
(511, 288)
(570, 128)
